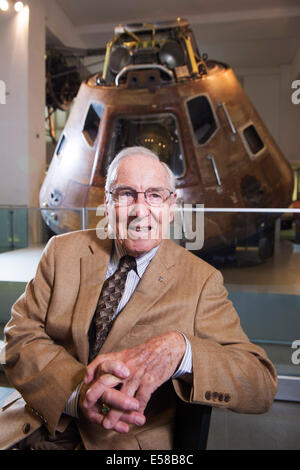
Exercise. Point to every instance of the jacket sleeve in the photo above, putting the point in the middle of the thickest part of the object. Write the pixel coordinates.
(228, 370)
(44, 372)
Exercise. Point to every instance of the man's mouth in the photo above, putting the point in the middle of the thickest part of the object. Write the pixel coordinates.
(138, 228)
(140, 231)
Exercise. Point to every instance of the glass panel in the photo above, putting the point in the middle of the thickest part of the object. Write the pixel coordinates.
(202, 118)
(158, 132)
(258, 253)
(261, 270)
(13, 232)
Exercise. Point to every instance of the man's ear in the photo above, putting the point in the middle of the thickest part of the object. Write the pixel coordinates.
(172, 207)
(106, 203)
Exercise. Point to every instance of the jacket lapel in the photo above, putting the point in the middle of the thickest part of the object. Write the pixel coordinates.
(93, 269)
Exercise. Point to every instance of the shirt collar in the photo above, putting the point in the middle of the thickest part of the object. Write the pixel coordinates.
(141, 261)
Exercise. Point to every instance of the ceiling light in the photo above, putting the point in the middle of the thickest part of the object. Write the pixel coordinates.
(4, 5)
(19, 6)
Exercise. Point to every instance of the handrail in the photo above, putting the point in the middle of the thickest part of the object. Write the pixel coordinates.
(223, 105)
(273, 210)
(129, 68)
(212, 159)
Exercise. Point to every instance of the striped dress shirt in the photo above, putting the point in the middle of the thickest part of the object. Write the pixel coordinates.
(185, 369)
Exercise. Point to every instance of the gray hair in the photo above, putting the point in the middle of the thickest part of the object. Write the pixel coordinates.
(112, 171)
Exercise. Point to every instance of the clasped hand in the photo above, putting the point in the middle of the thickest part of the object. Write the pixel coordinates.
(125, 380)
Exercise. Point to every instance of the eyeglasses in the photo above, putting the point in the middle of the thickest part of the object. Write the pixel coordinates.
(128, 196)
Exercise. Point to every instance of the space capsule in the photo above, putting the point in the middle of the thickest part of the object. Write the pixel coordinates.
(156, 90)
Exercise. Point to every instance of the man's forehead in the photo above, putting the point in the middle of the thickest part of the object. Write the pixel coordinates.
(139, 167)
(132, 160)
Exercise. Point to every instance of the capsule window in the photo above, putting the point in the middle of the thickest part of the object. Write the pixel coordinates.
(61, 145)
(202, 118)
(158, 132)
(92, 122)
(253, 139)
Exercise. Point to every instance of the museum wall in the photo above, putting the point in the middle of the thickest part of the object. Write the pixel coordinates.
(270, 91)
(22, 129)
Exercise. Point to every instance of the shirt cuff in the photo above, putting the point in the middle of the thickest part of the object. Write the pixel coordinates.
(185, 369)
(72, 404)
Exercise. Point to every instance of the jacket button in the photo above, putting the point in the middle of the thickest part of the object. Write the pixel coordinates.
(226, 397)
(26, 428)
(207, 395)
(215, 395)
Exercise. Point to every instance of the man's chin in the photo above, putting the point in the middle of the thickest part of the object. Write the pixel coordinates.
(139, 246)
(146, 234)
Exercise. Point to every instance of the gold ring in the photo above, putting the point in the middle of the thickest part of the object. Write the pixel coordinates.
(104, 409)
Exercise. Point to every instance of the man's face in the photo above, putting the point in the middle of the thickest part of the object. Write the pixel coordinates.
(139, 227)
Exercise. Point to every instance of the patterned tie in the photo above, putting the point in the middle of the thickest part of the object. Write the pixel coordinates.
(108, 302)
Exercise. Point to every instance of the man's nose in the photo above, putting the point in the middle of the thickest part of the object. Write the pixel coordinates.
(140, 207)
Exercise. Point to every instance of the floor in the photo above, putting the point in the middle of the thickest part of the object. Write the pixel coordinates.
(20, 265)
(279, 274)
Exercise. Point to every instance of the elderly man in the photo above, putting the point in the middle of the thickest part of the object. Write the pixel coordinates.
(109, 331)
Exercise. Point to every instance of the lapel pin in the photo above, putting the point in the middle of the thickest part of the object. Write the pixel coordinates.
(160, 279)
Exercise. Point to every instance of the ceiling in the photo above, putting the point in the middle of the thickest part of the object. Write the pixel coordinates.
(243, 33)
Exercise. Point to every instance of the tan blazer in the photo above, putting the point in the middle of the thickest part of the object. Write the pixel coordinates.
(47, 338)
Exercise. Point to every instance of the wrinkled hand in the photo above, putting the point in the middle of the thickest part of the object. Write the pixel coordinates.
(103, 387)
(150, 364)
